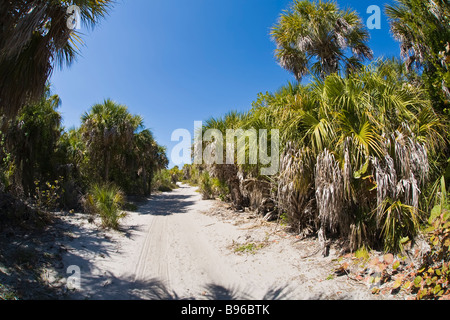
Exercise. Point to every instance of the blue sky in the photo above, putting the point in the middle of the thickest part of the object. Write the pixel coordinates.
(178, 61)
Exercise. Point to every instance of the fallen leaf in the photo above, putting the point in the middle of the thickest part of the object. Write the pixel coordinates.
(418, 281)
(374, 262)
(396, 265)
(397, 283)
(407, 285)
(388, 258)
(416, 253)
(380, 267)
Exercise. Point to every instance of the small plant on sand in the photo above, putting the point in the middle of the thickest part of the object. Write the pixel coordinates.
(107, 201)
(250, 247)
(220, 188)
(47, 195)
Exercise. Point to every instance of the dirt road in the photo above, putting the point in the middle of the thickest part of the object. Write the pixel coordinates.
(179, 246)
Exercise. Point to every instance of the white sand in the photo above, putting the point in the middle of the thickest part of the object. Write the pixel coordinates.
(181, 247)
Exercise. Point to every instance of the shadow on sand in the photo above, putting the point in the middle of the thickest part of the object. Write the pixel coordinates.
(25, 256)
(167, 204)
(154, 289)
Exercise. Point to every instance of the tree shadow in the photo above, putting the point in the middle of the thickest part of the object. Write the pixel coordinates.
(32, 263)
(25, 255)
(127, 288)
(167, 204)
(28, 254)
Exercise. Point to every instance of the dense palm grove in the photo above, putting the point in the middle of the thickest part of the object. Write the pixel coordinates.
(44, 164)
(364, 146)
(363, 143)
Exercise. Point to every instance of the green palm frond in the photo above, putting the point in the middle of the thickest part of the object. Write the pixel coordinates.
(316, 36)
(34, 38)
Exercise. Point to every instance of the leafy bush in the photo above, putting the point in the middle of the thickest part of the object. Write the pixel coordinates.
(433, 278)
(427, 274)
(163, 182)
(193, 175)
(399, 222)
(206, 186)
(107, 201)
(48, 195)
(221, 189)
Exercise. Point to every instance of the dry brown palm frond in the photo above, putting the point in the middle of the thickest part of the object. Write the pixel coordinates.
(330, 197)
(403, 170)
(295, 187)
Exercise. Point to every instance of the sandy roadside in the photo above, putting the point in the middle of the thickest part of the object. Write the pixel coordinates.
(178, 246)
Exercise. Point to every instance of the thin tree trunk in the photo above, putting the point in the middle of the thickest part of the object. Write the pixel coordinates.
(150, 179)
(144, 182)
(323, 242)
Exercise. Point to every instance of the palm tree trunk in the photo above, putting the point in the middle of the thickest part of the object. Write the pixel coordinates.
(149, 185)
(144, 182)
(107, 160)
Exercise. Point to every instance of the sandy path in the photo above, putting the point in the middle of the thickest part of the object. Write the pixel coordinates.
(174, 248)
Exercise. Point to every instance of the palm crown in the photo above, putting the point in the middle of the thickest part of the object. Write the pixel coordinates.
(318, 38)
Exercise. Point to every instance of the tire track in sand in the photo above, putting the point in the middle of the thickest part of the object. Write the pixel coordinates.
(152, 262)
(175, 250)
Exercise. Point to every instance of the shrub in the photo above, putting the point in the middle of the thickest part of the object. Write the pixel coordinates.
(163, 182)
(193, 174)
(107, 201)
(433, 279)
(427, 274)
(220, 188)
(206, 186)
(48, 195)
(164, 188)
(399, 222)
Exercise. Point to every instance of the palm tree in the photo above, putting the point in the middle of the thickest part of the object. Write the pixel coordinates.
(342, 139)
(32, 140)
(228, 172)
(316, 37)
(34, 37)
(422, 28)
(150, 159)
(108, 131)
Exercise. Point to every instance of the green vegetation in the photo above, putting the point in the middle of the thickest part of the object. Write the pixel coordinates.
(206, 186)
(354, 148)
(314, 37)
(165, 181)
(54, 168)
(44, 166)
(364, 147)
(107, 201)
(422, 28)
(33, 39)
(250, 248)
